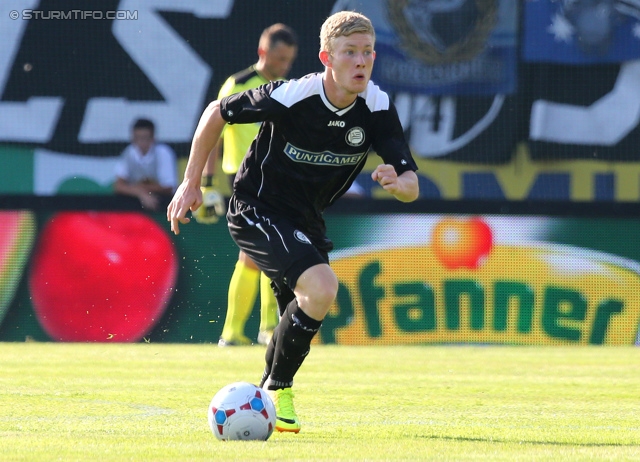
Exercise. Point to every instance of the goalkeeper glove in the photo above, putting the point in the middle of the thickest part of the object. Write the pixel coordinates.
(213, 206)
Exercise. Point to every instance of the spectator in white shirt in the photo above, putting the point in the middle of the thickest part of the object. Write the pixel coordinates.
(146, 169)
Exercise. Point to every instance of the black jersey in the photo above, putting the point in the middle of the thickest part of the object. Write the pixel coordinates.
(308, 152)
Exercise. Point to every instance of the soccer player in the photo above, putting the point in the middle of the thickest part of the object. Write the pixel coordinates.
(315, 136)
(277, 49)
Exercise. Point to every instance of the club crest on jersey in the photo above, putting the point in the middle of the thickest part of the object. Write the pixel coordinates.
(322, 158)
(300, 236)
(355, 136)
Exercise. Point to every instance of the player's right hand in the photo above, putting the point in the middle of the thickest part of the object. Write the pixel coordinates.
(186, 198)
(213, 207)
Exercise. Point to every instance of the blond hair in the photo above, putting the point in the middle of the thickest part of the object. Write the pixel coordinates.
(344, 23)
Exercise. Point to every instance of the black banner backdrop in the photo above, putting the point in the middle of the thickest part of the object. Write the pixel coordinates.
(67, 72)
(74, 75)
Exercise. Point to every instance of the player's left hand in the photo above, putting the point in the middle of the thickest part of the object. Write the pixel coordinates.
(387, 177)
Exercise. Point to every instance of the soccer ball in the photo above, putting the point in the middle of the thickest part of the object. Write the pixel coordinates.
(242, 411)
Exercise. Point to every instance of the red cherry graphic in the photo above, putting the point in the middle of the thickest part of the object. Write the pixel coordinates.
(102, 276)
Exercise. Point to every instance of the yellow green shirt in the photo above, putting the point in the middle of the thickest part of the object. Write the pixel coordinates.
(236, 139)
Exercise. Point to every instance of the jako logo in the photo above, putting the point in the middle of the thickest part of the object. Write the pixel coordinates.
(336, 123)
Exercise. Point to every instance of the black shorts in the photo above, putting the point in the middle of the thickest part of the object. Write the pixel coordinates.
(280, 249)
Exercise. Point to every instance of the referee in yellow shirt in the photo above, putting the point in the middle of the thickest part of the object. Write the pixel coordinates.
(277, 49)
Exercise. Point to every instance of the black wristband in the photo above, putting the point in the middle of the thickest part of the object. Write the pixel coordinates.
(207, 181)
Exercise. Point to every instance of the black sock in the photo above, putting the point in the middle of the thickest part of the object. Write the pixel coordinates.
(289, 346)
(283, 295)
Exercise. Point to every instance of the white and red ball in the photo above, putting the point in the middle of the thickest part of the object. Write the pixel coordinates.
(242, 411)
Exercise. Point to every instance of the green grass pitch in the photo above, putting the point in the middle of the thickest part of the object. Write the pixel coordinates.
(148, 402)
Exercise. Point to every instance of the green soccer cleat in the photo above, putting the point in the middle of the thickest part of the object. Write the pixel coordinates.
(286, 418)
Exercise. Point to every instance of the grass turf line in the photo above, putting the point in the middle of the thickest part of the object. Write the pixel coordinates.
(148, 402)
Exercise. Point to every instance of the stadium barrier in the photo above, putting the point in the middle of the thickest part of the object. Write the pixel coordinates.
(77, 268)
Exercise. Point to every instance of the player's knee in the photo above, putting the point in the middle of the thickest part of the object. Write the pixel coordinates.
(316, 290)
(325, 293)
